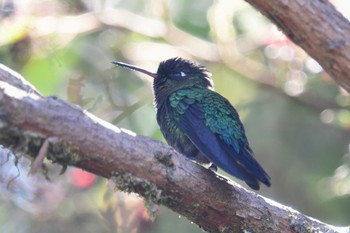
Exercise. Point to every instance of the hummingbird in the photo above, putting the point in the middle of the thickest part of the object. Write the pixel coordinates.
(200, 123)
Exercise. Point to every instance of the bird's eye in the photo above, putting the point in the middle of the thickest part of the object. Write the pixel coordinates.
(179, 74)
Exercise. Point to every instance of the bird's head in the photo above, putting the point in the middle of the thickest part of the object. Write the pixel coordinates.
(178, 73)
(174, 74)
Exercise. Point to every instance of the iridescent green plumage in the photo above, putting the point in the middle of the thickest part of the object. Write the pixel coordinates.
(200, 123)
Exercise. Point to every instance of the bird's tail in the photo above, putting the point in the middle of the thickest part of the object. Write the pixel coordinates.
(246, 168)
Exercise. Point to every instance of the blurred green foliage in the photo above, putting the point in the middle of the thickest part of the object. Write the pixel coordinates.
(297, 119)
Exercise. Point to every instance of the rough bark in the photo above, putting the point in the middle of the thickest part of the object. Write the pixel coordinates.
(136, 164)
(317, 27)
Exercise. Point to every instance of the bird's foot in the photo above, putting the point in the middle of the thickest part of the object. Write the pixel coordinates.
(213, 167)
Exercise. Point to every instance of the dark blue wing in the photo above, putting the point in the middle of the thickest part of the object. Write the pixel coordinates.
(222, 140)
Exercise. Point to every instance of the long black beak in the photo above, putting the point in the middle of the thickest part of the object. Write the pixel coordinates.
(131, 67)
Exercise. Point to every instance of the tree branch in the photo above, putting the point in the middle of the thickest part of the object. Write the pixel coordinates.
(137, 164)
(317, 27)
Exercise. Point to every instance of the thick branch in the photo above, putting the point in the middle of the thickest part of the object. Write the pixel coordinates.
(317, 27)
(138, 164)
